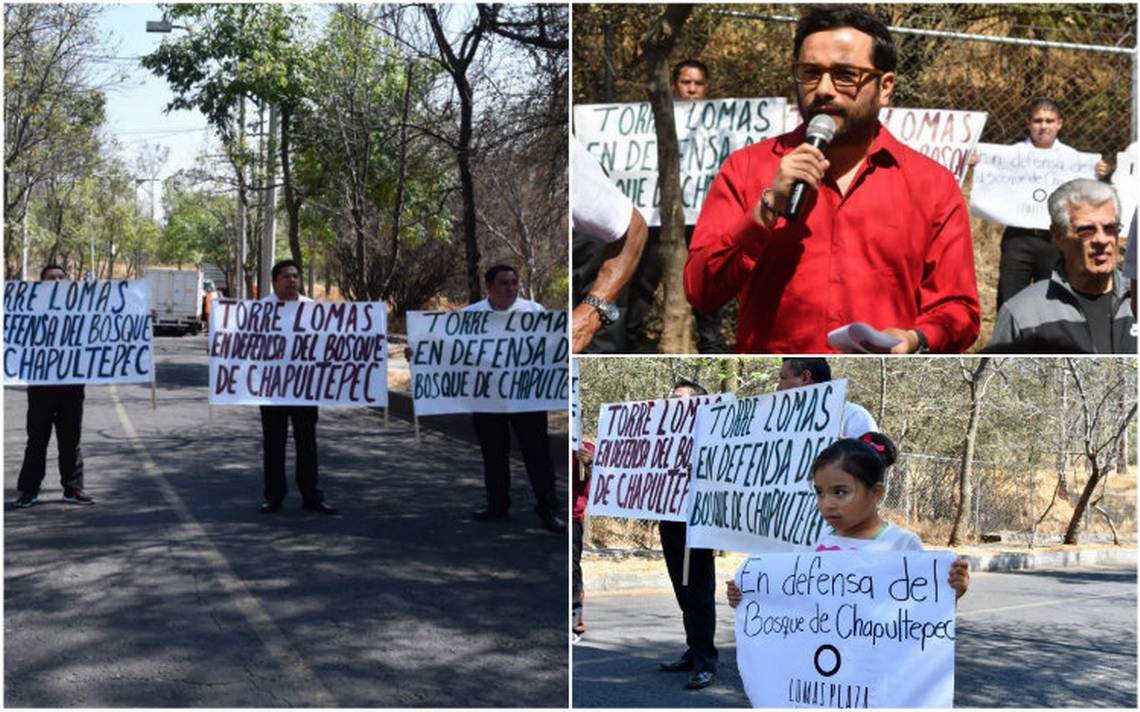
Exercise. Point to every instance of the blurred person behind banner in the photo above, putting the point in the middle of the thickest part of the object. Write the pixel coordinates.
(583, 466)
(884, 234)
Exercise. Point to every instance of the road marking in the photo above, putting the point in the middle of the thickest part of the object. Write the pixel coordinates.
(1037, 604)
(314, 693)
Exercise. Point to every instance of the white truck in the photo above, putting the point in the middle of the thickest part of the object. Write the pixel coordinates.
(176, 297)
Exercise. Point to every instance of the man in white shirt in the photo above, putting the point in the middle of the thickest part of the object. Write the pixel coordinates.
(797, 372)
(1028, 255)
(493, 430)
(275, 422)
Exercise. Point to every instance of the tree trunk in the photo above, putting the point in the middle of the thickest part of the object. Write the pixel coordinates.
(977, 384)
(401, 179)
(658, 43)
(292, 201)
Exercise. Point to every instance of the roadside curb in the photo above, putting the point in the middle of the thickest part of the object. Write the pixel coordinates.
(996, 562)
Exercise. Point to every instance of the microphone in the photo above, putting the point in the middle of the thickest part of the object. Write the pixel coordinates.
(820, 131)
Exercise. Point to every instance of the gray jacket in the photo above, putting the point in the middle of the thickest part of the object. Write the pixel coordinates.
(1046, 317)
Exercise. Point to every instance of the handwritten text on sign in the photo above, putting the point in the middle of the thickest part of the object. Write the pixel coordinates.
(752, 487)
(77, 332)
(624, 140)
(489, 361)
(642, 457)
(298, 353)
(1012, 183)
(847, 629)
(1126, 180)
(945, 135)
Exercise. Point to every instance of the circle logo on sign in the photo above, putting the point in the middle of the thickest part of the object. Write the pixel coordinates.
(838, 660)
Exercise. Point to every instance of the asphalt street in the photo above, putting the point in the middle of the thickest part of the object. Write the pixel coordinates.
(1044, 638)
(173, 591)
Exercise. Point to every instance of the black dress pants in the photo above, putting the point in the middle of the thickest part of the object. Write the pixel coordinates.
(275, 431)
(698, 599)
(60, 407)
(493, 430)
(1027, 256)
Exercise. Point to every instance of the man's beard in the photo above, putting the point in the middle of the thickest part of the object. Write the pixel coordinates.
(859, 122)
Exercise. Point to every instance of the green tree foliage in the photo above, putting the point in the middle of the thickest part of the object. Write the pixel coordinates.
(52, 107)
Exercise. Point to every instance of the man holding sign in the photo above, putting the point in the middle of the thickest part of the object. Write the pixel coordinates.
(493, 430)
(275, 422)
(697, 598)
(882, 236)
(60, 406)
(1028, 253)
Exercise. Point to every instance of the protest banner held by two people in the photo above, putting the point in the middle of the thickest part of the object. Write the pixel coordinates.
(829, 629)
(61, 332)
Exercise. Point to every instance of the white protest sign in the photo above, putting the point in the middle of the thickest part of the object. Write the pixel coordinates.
(489, 361)
(575, 408)
(298, 353)
(1012, 183)
(752, 487)
(944, 135)
(622, 137)
(642, 457)
(1127, 183)
(847, 629)
(59, 333)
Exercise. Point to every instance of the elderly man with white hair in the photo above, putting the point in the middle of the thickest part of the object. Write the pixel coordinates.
(1084, 306)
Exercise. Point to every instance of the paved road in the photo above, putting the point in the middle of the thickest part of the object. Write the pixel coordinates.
(1045, 638)
(174, 592)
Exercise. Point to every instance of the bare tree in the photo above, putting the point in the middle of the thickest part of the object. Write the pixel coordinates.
(977, 380)
(1100, 433)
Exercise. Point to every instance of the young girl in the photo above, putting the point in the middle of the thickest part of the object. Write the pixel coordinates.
(849, 485)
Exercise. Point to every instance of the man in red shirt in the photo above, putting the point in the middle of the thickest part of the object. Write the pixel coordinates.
(884, 234)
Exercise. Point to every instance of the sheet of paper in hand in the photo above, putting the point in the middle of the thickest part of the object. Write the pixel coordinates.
(847, 629)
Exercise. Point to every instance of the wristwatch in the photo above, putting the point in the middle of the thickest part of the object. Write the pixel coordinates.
(608, 311)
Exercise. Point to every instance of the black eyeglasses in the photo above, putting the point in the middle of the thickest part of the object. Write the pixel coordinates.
(1088, 232)
(842, 76)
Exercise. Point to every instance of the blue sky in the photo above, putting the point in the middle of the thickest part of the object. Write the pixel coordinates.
(135, 107)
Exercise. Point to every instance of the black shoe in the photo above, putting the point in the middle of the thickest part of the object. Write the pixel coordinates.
(551, 522)
(26, 499)
(77, 496)
(487, 514)
(268, 507)
(318, 507)
(681, 665)
(700, 680)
